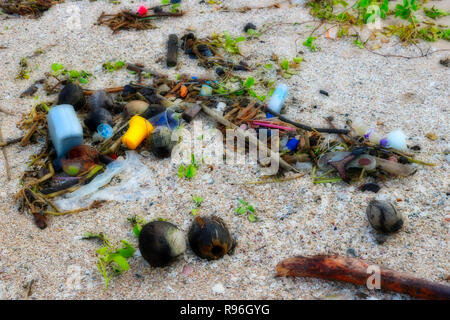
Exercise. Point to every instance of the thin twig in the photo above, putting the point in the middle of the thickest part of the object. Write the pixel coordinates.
(5, 155)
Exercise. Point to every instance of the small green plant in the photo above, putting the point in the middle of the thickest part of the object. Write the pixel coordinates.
(310, 43)
(72, 75)
(369, 10)
(111, 67)
(24, 71)
(248, 84)
(288, 67)
(227, 42)
(111, 261)
(246, 209)
(197, 202)
(434, 13)
(137, 222)
(405, 11)
(188, 171)
(358, 43)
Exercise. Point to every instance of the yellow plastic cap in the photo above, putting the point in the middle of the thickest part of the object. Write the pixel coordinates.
(140, 128)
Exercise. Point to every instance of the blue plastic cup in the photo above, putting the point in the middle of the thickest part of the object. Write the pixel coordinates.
(165, 119)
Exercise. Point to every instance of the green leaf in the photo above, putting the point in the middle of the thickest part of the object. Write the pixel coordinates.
(268, 66)
(359, 44)
(251, 208)
(56, 67)
(243, 202)
(190, 171)
(74, 74)
(127, 251)
(197, 200)
(194, 211)
(249, 82)
(298, 59)
(285, 65)
(241, 210)
(137, 230)
(102, 251)
(120, 260)
(239, 39)
(252, 218)
(181, 170)
(83, 80)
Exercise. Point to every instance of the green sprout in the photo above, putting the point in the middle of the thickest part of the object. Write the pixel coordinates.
(246, 209)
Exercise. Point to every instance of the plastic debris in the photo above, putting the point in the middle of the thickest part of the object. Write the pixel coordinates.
(396, 140)
(64, 128)
(136, 183)
(140, 128)
(206, 90)
(278, 97)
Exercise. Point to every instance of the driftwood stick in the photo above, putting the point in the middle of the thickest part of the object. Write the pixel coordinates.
(356, 271)
(5, 155)
(304, 126)
(107, 90)
(139, 68)
(251, 138)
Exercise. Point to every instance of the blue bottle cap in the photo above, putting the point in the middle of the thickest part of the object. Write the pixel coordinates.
(292, 144)
(105, 130)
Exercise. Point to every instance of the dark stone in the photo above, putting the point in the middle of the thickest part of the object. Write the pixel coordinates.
(371, 187)
(219, 71)
(249, 26)
(325, 93)
(72, 94)
(191, 113)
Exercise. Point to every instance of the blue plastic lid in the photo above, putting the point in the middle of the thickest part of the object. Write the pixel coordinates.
(292, 144)
(105, 130)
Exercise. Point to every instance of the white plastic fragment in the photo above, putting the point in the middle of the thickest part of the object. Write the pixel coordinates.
(135, 184)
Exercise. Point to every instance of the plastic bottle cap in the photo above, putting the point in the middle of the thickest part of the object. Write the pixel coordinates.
(105, 130)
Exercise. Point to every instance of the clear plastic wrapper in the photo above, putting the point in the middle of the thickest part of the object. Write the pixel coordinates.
(135, 185)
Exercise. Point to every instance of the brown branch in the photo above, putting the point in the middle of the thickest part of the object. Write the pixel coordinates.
(356, 271)
(5, 155)
(306, 127)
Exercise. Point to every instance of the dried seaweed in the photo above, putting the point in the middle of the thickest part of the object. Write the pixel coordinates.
(127, 20)
(32, 8)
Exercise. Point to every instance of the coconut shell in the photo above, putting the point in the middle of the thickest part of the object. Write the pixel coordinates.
(160, 242)
(209, 238)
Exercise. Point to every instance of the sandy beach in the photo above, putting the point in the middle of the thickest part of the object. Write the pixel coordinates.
(296, 217)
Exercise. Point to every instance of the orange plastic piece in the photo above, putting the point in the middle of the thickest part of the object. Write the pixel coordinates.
(140, 128)
(183, 91)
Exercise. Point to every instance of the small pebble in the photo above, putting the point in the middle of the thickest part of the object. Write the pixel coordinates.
(351, 252)
(373, 187)
(218, 288)
(325, 93)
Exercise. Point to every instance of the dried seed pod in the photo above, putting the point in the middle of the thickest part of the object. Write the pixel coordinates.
(96, 117)
(72, 94)
(160, 242)
(209, 237)
(136, 107)
(100, 99)
(383, 216)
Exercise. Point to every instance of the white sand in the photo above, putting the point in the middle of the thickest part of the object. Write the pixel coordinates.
(412, 95)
